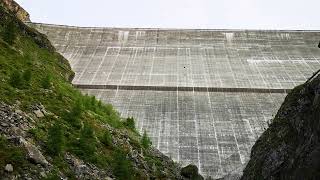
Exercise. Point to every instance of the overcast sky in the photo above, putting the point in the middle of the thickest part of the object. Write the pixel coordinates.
(208, 14)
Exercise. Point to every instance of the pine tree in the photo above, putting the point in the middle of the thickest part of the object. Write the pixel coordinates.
(16, 79)
(87, 141)
(145, 141)
(122, 167)
(106, 138)
(27, 77)
(130, 123)
(46, 82)
(55, 141)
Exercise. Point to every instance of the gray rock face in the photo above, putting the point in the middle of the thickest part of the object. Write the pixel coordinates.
(13, 121)
(290, 148)
(83, 170)
(8, 168)
(33, 153)
(38, 113)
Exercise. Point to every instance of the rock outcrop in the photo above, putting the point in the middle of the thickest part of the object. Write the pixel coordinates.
(21, 14)
(290, 147)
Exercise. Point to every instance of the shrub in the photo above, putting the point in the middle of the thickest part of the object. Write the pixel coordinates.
(16, 79)
(10, 153)
(27, 77)
(145, 141)
(106, 138)
(130, 123)
(46, 82)
(73, 117)
(99, 104)
(77, 109)
(122, 167)
(55, 141)
(9, 33)
(87, 142)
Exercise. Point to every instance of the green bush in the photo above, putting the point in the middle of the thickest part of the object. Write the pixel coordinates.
(145, 141)
(55, 142)
(20, 80)
(130, 123)
(10, 32)
(10, 154)
(73, 117)
(27, 77)
(16, 79)
(122, 167)
(77, 108)
(106, 138)
(87, 143)
(46, 82)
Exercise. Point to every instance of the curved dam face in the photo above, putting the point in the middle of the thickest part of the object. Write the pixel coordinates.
(203, 96)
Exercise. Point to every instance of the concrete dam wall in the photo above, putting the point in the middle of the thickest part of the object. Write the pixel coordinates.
(203, 96)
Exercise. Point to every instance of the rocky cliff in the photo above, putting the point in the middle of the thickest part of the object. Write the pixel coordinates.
(290, 147)
(21, 14)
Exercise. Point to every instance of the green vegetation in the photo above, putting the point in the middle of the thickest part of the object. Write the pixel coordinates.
(106, 138)
(10, 154)
(46, 82)
(86, 146)
(130, 123)
(27, 77)
(122, 166)
(145, 141)
(55, 141)
(9, 32)
(16, 79)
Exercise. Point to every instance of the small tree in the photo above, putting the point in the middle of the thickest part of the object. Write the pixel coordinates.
(46, 82)
(73, 117)
(16, 79)
(77, 108)
(55, 141)
(27, 77)
(130, 123)
(87, 141)
(106, 138)
(122, 167)
(9, 33)
(145, 140)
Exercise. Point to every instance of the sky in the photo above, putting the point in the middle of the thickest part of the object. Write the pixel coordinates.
(190, 14)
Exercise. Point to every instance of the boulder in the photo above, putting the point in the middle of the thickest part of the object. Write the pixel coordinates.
(8, 168)
(191, 172)
(33, 153)
(38, 113)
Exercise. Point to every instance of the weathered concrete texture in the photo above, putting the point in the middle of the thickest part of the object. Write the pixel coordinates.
(191, 58)
(212, 130)
(204, 96)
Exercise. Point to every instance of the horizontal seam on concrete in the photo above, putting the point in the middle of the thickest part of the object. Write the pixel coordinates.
(175, 88)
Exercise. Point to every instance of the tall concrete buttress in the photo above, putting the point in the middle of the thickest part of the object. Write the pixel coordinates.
(204, 96)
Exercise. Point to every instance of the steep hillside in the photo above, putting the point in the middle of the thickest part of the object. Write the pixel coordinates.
(290, 147)
(49, 130)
